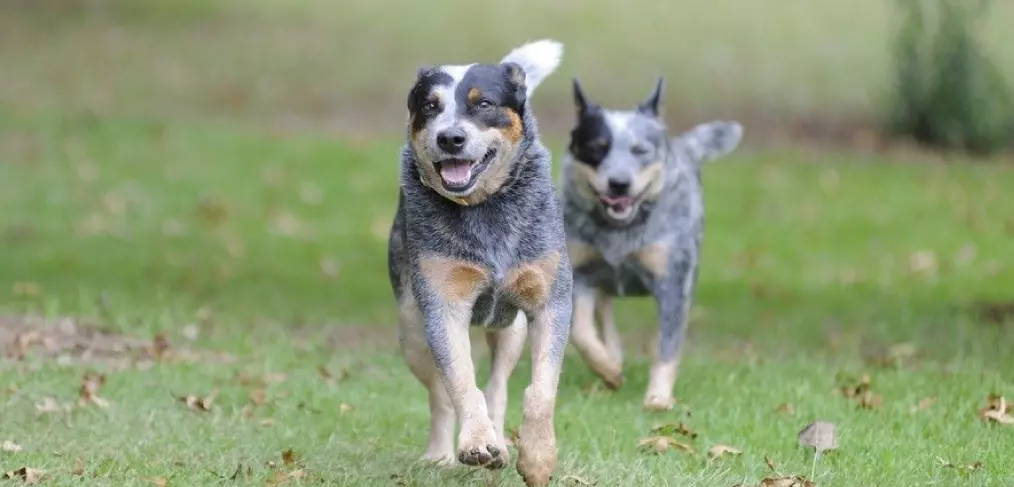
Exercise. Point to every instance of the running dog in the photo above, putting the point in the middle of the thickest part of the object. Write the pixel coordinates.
(478, 239)
(634, 215)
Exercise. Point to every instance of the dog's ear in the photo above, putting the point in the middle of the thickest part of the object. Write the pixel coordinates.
(653, 104)
(709, 141)
(580, 99)
(537, 59)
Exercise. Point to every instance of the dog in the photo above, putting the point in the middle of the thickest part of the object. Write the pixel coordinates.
(634, 216)
(478, 240)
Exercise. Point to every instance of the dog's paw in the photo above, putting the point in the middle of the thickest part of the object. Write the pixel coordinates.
(501, 461)
(658, 403)
(613, 381)
(479, 446)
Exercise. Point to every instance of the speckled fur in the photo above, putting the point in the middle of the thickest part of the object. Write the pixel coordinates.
(656, 253)
(518, 227)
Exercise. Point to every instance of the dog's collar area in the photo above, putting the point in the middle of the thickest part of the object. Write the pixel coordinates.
(459, 201)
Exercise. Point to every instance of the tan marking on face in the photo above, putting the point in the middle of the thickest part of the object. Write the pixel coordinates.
(649, 181)
(531, 282)
(654, 258)
(581, 253)
(587, 342)
(454, 280)
(587, 181)
(515, 130)
(473, 95)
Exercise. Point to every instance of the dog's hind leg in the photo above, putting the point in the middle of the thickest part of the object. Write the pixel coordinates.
(587, 342)
(505, 348)
(611, 336)
(412, 338)
(673, 292)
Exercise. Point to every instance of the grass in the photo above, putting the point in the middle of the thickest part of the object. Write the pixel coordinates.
(186, 188)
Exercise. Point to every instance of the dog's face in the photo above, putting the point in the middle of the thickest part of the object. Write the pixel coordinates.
(620, 155)
(467, 122)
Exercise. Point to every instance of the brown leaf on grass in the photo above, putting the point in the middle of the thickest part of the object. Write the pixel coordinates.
(79, 468)
(997, 410)
(791, 481)
(674, 428)
(964, 469)
(89, 392)
(288, 457)
(820, 435)
(267, 422)
(851, 388)
(344, 408)
(923, 262)
(28, 475)
(160, 346)
(770, 463)
(924, 404)
(280, 477)
(662, 444)
(869, 400)
(9, 446)
(157, 481)
(197, 403)
(49, 405)
(258, 396)
(894, 356)
(718, 451)
(326, 374)
(786, 408)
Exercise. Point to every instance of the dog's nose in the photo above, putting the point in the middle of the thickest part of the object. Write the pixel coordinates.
(619, 186)
(451, 140)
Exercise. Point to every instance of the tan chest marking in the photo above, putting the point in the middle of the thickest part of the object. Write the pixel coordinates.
(654, 258)
(531, 282)
(581, 253)
(453, 279)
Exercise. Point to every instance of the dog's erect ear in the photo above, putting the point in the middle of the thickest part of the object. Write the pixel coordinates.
(709, 141)
(538, 59)
(652, 105)
(580, 99)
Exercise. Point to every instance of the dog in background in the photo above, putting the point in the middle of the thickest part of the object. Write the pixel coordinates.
(634, 215)
(478, 239)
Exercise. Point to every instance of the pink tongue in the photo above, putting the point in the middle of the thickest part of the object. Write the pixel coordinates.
(456, 172)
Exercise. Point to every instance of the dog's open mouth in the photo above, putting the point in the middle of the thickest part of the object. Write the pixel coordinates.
(460, 174)
(618, 207)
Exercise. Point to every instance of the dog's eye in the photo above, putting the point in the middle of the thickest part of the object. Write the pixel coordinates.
(484, 105)
(639, 150)
(430, 107)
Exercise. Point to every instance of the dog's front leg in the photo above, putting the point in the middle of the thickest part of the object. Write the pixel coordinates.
(505, 347)
(445, 296)
(586, 340)
(537, 439)
(673, 293)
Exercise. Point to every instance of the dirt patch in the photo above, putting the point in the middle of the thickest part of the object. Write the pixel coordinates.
(71, 341)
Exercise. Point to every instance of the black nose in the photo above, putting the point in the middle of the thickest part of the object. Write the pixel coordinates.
(619, 186)
(451, 140)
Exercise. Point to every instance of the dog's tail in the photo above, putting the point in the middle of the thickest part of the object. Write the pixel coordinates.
(538, 59)
(708, 141)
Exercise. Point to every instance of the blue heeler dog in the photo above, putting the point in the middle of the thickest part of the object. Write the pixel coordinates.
(634, 212)
(478, 239)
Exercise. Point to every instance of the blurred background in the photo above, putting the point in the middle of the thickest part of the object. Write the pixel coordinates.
(165, 157)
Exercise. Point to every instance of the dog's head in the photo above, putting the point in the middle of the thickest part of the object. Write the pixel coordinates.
(468, 123)
(621, 156)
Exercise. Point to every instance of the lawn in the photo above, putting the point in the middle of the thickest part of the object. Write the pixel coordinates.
(180, 217)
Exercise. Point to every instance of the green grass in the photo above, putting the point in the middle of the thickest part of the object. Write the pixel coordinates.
(806, 268)
(180, 171)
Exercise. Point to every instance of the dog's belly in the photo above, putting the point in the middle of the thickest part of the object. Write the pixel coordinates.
(624, 280)
(492, 311)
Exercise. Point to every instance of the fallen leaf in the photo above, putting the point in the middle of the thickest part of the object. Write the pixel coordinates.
(196, 403)
(852, 389)
(770, 463)
(820, 435)
(29, 475)
(923, 262)
(662, 444)
(160, 346)
(998, 410)
(895, 356)
(786, 408)
(89, 392)
(10, 447)
(869, 400)
(48, 405)
(267, 422)
(964, 469)
(718, 451)
(792, 481)
(672, 428)
(258, 396)
(288, 457)
(344, 408)
(79, 469)
(924, 404)
(157, 481)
